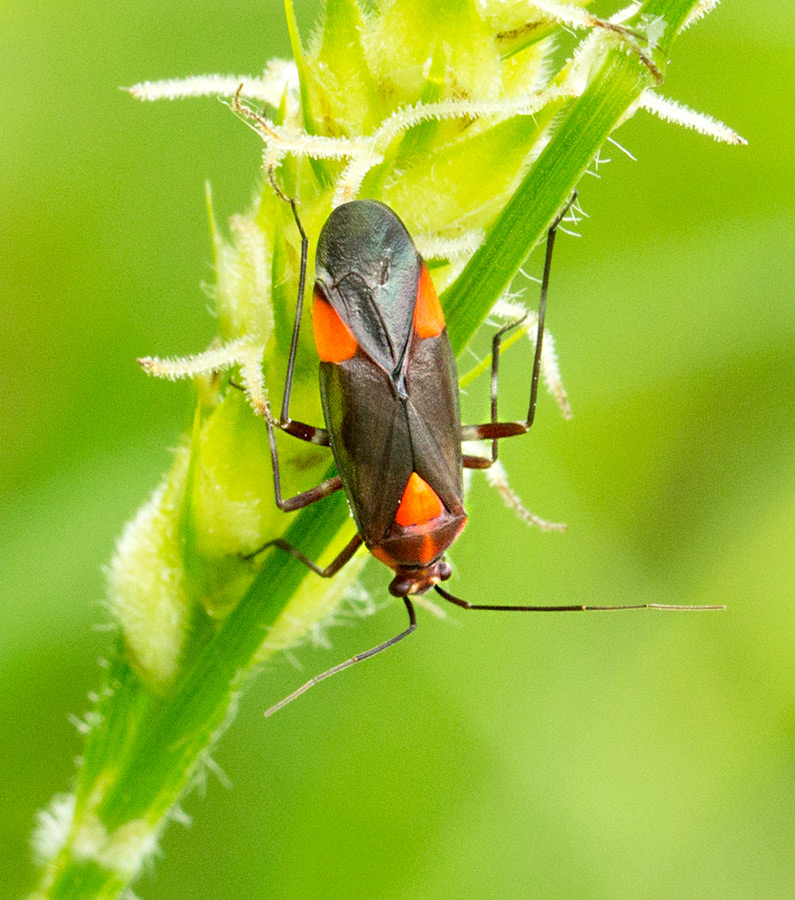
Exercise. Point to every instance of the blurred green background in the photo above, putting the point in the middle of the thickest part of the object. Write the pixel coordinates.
(605, 756)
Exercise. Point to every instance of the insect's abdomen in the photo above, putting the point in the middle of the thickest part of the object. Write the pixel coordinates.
(381, 443)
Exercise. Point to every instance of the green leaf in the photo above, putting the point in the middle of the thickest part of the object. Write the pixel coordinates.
(342, 88)
(319, 167)
(497, 154)
(411, 29)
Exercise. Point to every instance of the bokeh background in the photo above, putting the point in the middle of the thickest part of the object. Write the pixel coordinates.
(618, 755)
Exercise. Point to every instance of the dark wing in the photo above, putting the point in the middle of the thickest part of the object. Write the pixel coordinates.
(379, 440)
(370, 440)
(434, 418)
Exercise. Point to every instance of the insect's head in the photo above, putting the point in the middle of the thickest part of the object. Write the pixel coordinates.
(419, 579)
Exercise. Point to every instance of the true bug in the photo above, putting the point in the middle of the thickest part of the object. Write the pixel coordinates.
(388, 384)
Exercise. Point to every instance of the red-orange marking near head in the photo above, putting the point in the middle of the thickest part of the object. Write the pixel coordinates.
(428, 315)
(382, 556)
(333, 338)
(429, 550)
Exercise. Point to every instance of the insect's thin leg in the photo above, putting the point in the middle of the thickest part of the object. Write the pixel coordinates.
(349, 662)
(495, 380)
(305, 498)
(494, 430)
(542, 307)
(344, 556)
(309, 433)
(477, 462)
(300, 430)
(299, 304)
(465, 604)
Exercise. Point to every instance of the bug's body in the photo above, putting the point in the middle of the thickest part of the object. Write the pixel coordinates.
(389, 389)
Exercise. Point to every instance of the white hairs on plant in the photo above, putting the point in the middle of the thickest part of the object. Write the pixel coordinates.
(671, 111)
(434, 246)
(366, 152)
(122, 851)
(577, 17)
(363, 153)
(53, 825)
(213, 360)
(242, 352)
(699, 11)
(280, 75)
(497, 478)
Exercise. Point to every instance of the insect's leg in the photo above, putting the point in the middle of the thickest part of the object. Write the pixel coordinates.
(349, 662)
(309, 433)
(299, 304)
(477, 462)
(542, 308)
(300, 430)
(305, 498)
(495, 426)
(494, 430)
(332, 568)
(465, 604)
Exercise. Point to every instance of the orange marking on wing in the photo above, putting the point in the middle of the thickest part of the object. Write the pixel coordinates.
(430, 550)
(428, 315)
(419, 504)
(333, 338)
(382, 556)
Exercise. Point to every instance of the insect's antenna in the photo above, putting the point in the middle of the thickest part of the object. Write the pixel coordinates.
(465, 604)
(248, 113)
(542, 306)
(349, 662)
(282, 196)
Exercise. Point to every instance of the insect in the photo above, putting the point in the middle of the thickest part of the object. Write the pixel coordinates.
(389, 392)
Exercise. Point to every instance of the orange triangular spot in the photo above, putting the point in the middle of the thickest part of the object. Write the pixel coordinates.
(429, 550)
(428, 315)
(420, 503)
(382, 556)
(333, 338)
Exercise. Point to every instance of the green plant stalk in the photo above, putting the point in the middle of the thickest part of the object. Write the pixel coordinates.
(147, 748)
